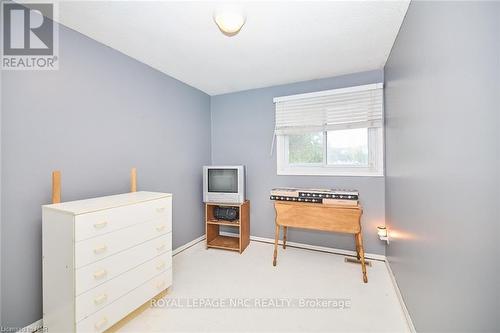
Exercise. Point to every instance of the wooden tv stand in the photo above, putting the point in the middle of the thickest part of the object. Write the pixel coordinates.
(242, 224)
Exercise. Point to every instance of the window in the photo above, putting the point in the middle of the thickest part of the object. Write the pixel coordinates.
(337, 132)
(306, 148)
(352, 152)
(347, 147)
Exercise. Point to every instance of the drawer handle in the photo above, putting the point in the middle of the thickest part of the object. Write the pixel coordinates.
(100, 249)
(160, 266)
(101, 323)
(100, 299)
(100, 274)
(160, 227)
(160, 209)
(100, 225)
(160, 285)
(161, 247)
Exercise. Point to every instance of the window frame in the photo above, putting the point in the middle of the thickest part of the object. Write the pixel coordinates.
(375, 166)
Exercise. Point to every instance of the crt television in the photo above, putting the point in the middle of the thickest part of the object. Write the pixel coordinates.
(224, 184)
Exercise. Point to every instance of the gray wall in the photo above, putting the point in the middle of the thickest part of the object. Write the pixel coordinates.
(1, 98)
(442, 164)
(96, 117)
(242, 130)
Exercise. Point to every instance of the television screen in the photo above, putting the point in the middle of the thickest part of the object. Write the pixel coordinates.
(223, 180)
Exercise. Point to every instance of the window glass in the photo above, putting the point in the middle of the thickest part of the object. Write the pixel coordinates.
(305, 148)
(348, 147)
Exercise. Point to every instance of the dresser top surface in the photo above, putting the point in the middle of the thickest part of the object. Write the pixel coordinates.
(112, 201)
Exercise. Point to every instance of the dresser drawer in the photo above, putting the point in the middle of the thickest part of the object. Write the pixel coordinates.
(94, 274)
(114, 312)
(106, 293)
(104, 221)
(100, 247)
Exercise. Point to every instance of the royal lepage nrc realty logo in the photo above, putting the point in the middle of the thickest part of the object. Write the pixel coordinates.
(30, 37)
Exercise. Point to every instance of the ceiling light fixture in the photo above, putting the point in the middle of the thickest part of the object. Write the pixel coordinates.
(229, 21)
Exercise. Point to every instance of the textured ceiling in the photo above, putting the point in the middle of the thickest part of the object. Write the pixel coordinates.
(281, 42)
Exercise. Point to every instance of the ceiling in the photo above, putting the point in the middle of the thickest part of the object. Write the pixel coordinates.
(281, 42)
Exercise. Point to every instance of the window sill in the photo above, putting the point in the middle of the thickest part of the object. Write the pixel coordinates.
(326, 172)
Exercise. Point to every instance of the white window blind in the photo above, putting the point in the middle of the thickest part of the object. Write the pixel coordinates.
(353, 107)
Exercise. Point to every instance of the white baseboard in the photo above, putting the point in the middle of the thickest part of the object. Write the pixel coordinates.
(402, 303)
(372, 256)
(188, 245)
(37, 325)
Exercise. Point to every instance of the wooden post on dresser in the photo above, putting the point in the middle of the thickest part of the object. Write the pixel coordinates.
(133, 180)
(56, 186)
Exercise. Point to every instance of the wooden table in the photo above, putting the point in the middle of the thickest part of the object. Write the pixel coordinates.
(343, 219)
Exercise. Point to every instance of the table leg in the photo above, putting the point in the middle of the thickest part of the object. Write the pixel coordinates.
(276, 236)
(357, 246)
(359, 237)
(284, 237)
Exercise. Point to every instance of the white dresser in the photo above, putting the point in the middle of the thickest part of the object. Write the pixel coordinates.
(103, 258)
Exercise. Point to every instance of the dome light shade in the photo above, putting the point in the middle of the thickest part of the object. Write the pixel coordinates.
(229, 22)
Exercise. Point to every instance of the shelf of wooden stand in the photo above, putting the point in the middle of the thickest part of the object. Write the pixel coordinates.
(214, 227)
(225, 242)
(225, 222)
